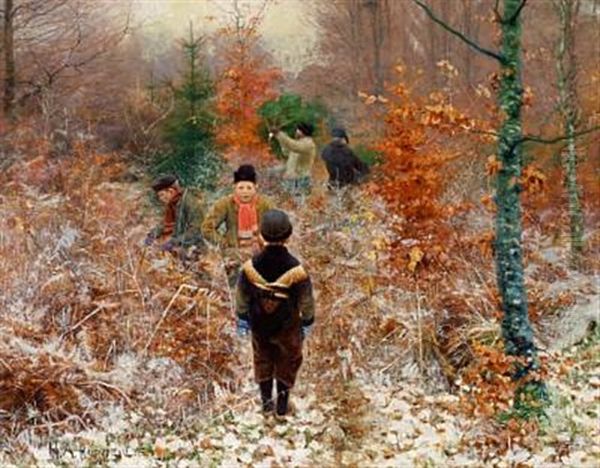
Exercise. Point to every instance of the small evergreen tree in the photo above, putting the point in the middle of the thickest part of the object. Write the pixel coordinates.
(190, 129)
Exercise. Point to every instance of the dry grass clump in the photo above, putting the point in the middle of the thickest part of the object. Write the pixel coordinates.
(39, 388)
(81, 297)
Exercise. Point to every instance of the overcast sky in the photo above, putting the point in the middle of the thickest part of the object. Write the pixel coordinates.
(287, 33)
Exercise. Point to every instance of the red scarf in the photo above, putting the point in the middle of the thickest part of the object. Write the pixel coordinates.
(247, 220)
(171, 215)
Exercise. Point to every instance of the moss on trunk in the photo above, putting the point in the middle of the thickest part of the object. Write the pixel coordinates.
(516, 328)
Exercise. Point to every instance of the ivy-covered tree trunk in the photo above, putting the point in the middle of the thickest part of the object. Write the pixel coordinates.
(567, 75)
(516, 328)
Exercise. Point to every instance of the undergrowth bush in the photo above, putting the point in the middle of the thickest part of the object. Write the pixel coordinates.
(287, 111)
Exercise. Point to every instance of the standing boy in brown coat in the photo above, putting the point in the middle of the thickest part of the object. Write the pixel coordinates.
(239, 214)
(275, 301)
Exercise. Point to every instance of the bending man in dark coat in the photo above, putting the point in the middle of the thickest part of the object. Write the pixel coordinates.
(343, 166)
(275, 301)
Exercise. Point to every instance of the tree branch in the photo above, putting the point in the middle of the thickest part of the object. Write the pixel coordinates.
(551, 141)
(497, 15)
(483, 132)
(460, 35)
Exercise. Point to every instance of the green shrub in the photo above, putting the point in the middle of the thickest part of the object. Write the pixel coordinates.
(195, 167)
(286, 112)
(367, 155)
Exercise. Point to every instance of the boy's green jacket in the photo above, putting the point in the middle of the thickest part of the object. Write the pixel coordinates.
(226, 211)
(188, 223)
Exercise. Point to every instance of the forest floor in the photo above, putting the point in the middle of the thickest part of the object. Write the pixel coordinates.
(150, 372)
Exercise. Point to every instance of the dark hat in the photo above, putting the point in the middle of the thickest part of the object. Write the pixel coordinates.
(275, 226)
(164, 182)
(245, 173)
(306, 128)
(339, 132)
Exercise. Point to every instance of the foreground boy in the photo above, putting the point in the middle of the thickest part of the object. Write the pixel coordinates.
(275, 301)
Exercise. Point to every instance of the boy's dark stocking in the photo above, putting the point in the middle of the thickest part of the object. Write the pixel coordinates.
(266, 395)
(283, 394)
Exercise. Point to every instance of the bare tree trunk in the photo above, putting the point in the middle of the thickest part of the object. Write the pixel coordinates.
(10, 79)
(468, 28)
(378, 9)
(446, 45)
(567, 77)
(432, 55)
(356, 78)
(354, 17)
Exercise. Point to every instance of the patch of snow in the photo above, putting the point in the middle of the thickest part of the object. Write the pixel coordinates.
(67, 238)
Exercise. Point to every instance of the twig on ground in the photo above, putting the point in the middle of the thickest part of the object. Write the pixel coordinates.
(82, 321)
(419, 329)
(166, 311)
(111, 387)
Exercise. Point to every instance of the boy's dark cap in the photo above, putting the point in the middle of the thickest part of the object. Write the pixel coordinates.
(339, 132)
(306, 128)
(245, 173)
(164, 182)
(275, 226)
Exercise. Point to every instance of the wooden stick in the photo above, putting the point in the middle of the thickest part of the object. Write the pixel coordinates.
(82, 321)
(166, 311)
(420, 331)
(208, 328)
(111, 387)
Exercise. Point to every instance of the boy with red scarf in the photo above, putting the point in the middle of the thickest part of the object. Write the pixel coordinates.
(240, 213)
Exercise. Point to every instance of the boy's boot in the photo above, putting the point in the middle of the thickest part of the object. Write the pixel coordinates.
(266, 395)
(283, 395)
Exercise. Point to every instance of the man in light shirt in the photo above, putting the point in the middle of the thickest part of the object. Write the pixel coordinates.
(300, 153)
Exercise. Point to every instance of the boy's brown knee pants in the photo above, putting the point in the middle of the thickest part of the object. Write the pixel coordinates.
(278, 356)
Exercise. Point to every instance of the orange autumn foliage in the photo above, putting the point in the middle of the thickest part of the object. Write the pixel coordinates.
(245, 83)
(416, 148)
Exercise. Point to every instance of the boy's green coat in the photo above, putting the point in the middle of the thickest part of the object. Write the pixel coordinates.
(226, 211)
(188, 223)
